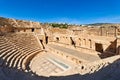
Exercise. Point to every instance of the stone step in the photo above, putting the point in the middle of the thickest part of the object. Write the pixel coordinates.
(25, 60)
(16, 60)
(5, 51)
(4, 46)
(12, 59)
(7, 58)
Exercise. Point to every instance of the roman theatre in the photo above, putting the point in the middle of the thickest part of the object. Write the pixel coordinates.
(35, 51)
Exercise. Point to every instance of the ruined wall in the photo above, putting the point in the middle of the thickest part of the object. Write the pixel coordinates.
(97, 65)
(66, 56)
(118, 46)
(37, 30)
(91, 44)
(5, 29)
(110, 31)
(18, 24)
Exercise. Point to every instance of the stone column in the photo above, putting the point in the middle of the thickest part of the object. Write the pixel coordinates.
(100, 31)
(115, 31)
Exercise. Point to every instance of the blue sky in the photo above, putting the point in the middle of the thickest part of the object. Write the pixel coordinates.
(62, 11)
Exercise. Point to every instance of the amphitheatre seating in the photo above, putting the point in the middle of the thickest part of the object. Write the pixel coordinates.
(16, 49)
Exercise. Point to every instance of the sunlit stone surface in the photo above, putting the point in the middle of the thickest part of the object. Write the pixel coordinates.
(34, 51)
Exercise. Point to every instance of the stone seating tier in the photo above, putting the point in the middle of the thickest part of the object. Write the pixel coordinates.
(17, 48)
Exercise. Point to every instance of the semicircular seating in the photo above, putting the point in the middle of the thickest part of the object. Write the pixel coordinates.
(17, 49)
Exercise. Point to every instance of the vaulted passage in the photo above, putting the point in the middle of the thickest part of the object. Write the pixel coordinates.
(98, 47)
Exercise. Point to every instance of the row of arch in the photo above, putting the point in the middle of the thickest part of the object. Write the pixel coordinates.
(27, 30)
(75, 41)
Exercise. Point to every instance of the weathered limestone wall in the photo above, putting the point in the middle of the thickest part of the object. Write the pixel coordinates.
(8, 25)
(91, 44)
(19, 23)
(102, 30)
(28, 30)
(118, 46)
(97, 65)
(5, 29)
(66, 56)
(37, 30)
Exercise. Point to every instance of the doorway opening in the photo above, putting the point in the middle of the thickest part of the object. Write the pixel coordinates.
(72, 42)
(46, 40)
(57, 39)
(32, 29)
(41, 41)
(99, 47)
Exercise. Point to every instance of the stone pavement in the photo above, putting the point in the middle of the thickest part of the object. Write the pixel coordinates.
(75, 53)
